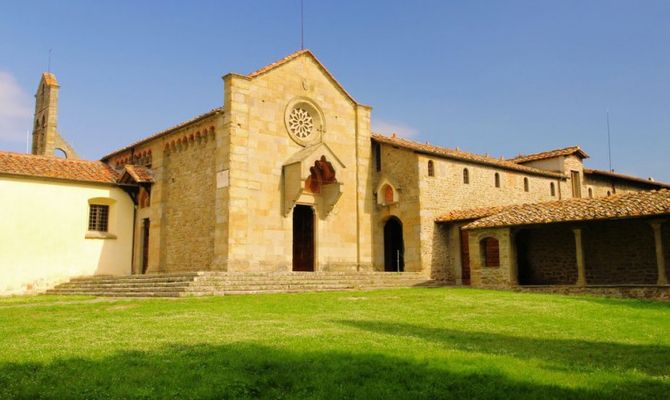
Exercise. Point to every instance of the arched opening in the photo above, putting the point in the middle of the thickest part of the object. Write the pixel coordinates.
(552, 189)
(590, 193)
(525, 185)
(431, 168)
(60, 153)
(394, 248)
(490, 250)
(303, 238)
(466, 176)
(497, 180)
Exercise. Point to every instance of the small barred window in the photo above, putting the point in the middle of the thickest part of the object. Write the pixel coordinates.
(431, 168)
(98, 217)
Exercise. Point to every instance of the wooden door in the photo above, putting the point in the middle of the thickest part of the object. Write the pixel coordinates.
(303, 238)
(145, 245)
(465, 257)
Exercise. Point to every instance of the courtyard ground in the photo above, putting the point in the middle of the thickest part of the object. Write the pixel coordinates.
(403, 343)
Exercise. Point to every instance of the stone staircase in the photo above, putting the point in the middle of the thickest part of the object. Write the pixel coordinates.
(224, 283)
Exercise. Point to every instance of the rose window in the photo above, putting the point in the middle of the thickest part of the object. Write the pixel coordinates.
(301, 123)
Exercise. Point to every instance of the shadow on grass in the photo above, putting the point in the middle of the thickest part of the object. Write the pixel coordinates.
(251, 371)
(574, 354)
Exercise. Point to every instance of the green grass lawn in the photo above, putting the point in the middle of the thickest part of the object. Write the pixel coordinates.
(404, 343)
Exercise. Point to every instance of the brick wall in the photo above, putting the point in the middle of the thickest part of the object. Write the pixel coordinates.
(619, 252)
(546, 256)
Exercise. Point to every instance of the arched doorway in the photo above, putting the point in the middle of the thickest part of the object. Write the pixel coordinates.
(394, 248)
(303, 238)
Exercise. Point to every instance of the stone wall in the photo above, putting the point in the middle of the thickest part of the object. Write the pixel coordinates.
(546, 256)
(399, 167)
(446, 191)
(600, 186)
(483, 276)
(619, 252)
(188, 217)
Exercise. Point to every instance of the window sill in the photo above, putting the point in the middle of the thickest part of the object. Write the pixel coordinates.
(99, 235)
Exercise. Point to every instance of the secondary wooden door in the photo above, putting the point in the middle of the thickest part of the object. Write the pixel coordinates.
(145, 245)
(465, 258)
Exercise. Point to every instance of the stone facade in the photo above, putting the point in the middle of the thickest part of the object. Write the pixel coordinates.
(226, 185)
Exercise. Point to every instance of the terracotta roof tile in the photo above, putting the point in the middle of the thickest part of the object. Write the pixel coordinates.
(469, 214)
(627, 205)
(550, 154)
(165, 131)
(623, 177)
(140, 173)
(56, 168)
(461, 155)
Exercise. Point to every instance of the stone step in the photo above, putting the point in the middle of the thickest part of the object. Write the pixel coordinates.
(123, 284)
(117, 294)
(225, 283)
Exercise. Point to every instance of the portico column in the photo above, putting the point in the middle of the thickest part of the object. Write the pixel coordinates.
(660, 255)
(581, 269)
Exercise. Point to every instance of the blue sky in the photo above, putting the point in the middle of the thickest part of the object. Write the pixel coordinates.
(496, 77)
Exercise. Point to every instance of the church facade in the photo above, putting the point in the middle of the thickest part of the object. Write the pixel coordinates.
(288, 176)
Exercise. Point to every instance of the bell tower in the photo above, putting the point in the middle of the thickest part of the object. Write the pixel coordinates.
(46, 139)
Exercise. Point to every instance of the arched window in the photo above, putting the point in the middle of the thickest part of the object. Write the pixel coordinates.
(490, 250)
(609, 193)
(525, 185)
(590, 193)
(552, 189)
(497, 180)
(388, 194)
(466, 176)
(431, 168)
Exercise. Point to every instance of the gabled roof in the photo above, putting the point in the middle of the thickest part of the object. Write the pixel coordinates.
(623, 177)
(566, 151)
(293, 56)
(165, 132)
(56, 168)
(627, 205)
(138, 174)
(308, 151)
(461, 155)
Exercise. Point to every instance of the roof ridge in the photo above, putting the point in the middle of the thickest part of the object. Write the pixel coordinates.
(549, 153)
(279, 62)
